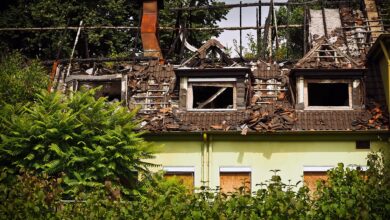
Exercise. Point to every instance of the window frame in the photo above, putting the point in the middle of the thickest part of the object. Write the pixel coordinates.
(212, 82)
(306, 94)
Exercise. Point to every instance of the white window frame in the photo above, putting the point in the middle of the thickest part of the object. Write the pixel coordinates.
(306, 94)
(317, 168)
(232, 169)
(219, 82)
(179, 169)
(326, 168)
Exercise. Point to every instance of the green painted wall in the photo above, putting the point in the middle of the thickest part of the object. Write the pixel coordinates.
(289, 153)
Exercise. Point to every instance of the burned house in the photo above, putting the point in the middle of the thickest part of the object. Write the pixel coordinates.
(223, 122)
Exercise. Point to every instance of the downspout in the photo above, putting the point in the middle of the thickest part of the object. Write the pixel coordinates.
(206, 161)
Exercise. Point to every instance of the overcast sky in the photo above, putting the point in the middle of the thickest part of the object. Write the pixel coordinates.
(248, 19)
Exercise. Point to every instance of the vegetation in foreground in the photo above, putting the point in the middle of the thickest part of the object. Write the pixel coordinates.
(348, 194)
(75, 157)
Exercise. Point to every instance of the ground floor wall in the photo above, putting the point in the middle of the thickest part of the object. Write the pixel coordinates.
(210, 155)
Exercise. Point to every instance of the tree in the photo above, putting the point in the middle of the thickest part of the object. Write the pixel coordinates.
(60, 13)
(90, 140)
(20, 79)
(196, 18)
(293, 49)
(103, 42)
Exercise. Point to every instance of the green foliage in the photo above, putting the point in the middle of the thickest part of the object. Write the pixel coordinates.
(101, 42)
(197, 18)
(20, 80)
(29, 197)
(348, 194)
(59, 13)
(353, 194)
(91, 141)
(294, 48)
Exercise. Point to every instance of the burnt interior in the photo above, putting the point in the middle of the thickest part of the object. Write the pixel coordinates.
(111, 90)
(328, 94)
(203, 93)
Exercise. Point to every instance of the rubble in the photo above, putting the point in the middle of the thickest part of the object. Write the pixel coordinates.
(270, 118)
(267, 92)
(374, 118)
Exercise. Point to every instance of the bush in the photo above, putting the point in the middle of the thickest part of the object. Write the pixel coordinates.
(88, 139)
(20, 80)
(348, 194)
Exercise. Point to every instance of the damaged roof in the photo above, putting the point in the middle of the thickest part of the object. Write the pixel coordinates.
(264, 94)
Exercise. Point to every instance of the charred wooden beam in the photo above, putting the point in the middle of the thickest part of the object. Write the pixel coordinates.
(137, 28)
(110, 77)
(219, 92)
(208, 7)
(89, 60)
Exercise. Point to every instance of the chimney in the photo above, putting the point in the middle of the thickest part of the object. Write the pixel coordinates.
(149, 24)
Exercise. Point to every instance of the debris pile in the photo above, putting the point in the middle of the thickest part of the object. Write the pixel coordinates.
(375, 118)
(162, 120)
(269, 118)
(325, 55)
(151, 86)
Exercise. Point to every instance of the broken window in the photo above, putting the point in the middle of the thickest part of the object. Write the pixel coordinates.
(214, 95)
(111, 90)
(328, 94)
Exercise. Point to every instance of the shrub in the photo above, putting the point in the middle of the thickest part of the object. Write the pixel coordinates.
(20, 80)
(88, 139)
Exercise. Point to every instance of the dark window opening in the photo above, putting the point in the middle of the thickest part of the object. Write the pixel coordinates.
(110, 90)
(112, 96)
(362, 144)
(328, 94)
(211, 97)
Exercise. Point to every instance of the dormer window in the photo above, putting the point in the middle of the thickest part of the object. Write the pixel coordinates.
(328, 94)
(328, 79)
(217, 89)
(314, 93)
(211, 94)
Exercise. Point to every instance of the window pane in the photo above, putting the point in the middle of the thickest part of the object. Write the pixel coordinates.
(328, 94)
(207, 97)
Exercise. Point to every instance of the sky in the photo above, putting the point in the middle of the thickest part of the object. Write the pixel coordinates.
(248, 19)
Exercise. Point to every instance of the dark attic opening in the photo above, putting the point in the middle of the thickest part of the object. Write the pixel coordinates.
(212, 97)
(110, 90)
(328, 94)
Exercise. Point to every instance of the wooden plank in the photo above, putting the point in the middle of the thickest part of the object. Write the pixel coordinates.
(94, 78)
(220, 91)
(310, 179)
(186, 178)
(232, 181)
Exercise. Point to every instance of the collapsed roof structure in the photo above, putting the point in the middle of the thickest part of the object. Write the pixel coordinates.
(332, 88)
